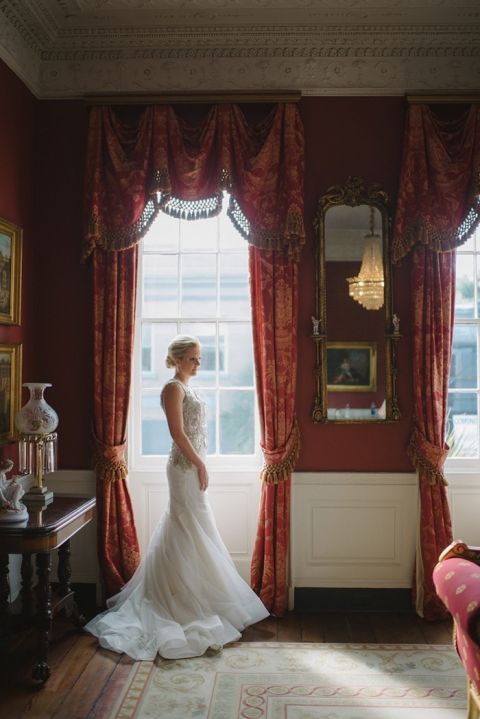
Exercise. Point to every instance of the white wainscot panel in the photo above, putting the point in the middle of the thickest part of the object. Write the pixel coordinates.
(353, 530)
(464, 500)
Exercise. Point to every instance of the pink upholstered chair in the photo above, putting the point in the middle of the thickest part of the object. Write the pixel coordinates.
(457, 582)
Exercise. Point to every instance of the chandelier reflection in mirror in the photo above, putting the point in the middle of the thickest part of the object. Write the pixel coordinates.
(367, 288)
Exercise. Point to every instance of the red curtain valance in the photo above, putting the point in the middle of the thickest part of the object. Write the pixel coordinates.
(155, 161)
(438, 202)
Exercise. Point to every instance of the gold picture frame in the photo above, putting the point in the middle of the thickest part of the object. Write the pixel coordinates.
(10, 388)
(351, 366)
(10, 272)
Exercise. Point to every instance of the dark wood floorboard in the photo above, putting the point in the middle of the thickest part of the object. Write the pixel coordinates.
(85, 678)
(311, 626)
(361, 628)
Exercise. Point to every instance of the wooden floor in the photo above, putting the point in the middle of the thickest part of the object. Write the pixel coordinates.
(84, 676)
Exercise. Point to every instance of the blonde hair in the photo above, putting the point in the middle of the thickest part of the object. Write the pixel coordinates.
(178, 347)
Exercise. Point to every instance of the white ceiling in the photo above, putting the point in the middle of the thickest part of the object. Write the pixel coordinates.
(72, 48)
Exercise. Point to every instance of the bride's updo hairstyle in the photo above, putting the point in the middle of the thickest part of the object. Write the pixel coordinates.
(178, 348)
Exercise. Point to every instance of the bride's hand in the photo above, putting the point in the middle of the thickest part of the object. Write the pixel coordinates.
(203, 477)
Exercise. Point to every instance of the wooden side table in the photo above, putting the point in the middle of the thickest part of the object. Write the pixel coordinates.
(46, 530)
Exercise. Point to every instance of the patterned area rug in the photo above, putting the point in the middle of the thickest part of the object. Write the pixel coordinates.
(272, 680)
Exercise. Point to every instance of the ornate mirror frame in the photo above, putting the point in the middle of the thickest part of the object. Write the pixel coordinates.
(355, 192)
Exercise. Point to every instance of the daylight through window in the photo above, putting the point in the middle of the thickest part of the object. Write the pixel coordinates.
(463, 429)
(194, 280)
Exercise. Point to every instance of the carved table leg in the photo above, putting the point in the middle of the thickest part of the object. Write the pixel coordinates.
(64, 571)
(41, 670)
(26, 591)
(4, 586)
(4, 594)
(64, 589)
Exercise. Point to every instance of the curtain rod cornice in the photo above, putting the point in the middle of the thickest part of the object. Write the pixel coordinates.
(194, 98)
(450, 98)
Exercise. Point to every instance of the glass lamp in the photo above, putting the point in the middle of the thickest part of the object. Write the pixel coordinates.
(36, 423)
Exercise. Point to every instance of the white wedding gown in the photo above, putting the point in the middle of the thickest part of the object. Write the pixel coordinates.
(186, 596)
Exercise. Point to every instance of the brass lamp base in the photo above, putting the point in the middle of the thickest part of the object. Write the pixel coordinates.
(38, 496)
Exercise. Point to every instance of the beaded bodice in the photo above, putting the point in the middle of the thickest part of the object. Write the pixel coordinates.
(194, 425)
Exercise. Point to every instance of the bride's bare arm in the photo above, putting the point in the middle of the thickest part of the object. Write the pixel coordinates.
(173, 396)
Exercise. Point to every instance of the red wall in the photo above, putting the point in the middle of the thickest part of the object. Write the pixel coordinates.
(17, 143)
(350, 136)
(65, 295)
(42, 149)
(344, 136)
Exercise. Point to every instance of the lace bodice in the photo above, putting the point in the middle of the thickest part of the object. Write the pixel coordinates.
(194, 425)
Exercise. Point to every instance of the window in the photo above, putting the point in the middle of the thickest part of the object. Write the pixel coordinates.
(193, 279)
(463, 429)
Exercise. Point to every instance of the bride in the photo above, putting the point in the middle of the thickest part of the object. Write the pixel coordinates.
(186, 596)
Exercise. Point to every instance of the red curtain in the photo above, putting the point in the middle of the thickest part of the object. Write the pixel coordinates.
(114, 288)
(433, 296)
(155, 160)
(273, 277)
(439, 194)
(140, 162)
(438, 207)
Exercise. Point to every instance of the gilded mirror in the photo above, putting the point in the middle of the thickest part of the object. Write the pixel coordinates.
(354, 328)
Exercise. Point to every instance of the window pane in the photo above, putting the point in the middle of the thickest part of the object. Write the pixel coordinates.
(155, 434)
(209, 396)
(207, 334)
(146, 348)
(234, 290)
(237, 354)
(230, 237)
(463, 373)
(237, 422)
(195, 281)
(470, 243)
(156, 337)
(160, 286)
(462, 425)
(163, 234)
(198, 235)
(199, 285)
(465, 287)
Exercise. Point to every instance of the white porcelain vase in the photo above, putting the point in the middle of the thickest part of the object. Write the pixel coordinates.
(36, 417)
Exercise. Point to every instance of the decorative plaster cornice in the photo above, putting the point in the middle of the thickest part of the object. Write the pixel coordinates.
(71, 48)
(261, 36)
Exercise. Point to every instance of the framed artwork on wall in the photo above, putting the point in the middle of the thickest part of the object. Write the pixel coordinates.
(351, 366)
(10, 388)
(10, 272)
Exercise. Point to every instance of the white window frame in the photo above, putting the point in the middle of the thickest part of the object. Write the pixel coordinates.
(137, 461)
(470, 465)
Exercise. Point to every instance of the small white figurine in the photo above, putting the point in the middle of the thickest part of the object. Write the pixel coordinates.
(316, 326)
(11, 492)
(396, 324)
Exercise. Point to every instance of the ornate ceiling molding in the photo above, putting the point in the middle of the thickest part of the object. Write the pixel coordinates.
(72, 48)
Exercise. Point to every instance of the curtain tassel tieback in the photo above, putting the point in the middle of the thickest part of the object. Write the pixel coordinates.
(428, 457)
(109, 461)
(280, 463)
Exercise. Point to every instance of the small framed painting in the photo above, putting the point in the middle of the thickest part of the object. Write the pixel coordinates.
(351, 366)
(10, 272)
(10, 388)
